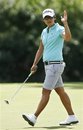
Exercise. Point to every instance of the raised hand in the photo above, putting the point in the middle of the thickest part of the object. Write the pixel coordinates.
(64, 18)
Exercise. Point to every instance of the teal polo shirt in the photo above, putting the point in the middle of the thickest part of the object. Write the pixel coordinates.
(53, 43)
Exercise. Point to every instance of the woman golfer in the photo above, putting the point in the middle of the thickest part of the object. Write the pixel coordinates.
(51, 46)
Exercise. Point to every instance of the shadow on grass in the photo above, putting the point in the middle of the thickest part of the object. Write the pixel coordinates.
(78, 85)
(72, 85)
(50, 127)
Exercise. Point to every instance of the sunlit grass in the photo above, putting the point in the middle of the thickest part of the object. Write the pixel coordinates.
(27, 100)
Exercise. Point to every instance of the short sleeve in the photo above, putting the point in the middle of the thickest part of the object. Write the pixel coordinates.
(61, 30)
(41, 35)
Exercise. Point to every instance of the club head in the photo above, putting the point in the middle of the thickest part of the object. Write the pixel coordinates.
(6, 101)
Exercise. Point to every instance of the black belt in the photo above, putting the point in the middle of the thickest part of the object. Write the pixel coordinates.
(53, 62)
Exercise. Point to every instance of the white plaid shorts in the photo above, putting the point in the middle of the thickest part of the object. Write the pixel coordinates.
(53, 78)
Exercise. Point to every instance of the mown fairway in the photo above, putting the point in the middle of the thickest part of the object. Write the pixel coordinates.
(26, 102)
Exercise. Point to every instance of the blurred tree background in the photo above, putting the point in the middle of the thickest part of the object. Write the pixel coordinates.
(20, 29)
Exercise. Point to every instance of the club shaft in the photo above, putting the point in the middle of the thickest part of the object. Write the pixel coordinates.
(20, 87)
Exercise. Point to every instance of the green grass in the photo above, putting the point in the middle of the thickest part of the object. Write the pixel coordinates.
(27, 100)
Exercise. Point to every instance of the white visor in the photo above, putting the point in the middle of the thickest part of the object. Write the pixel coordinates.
(48, 12)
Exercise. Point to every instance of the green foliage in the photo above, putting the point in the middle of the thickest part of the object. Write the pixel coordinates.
(20, 29)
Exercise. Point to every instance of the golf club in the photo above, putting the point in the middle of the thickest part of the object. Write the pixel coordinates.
(8, 101)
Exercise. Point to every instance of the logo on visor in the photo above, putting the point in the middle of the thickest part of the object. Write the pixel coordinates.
(47, 11)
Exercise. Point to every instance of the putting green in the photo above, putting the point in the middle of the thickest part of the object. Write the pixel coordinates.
(27, 100)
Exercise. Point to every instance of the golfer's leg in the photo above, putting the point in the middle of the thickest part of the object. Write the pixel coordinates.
(43, 102)
(65, 99)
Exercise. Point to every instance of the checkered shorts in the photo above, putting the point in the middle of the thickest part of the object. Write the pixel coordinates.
(53, 78)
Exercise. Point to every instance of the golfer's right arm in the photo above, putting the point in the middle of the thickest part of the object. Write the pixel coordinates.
(37, 57)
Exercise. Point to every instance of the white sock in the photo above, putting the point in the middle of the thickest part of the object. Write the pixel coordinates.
(72, 116)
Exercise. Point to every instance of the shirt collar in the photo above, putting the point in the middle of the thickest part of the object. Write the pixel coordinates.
(53, 26)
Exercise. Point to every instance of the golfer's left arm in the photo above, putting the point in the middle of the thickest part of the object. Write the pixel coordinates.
(67, 33)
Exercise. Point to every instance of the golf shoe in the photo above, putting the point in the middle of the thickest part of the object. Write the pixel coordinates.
(69, 121)
(30, 118)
